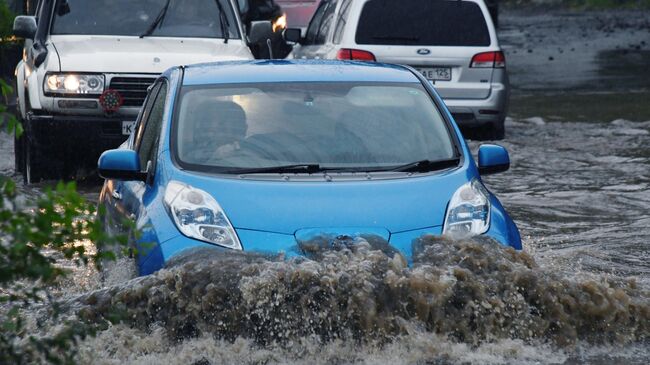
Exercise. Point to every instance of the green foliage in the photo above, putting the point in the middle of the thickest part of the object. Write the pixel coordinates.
(6, 20)
(13, 125)
(60, 222)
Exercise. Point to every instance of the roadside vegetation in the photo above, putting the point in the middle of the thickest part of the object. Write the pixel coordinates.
(6, 20)
(60, 223)
(10, 47)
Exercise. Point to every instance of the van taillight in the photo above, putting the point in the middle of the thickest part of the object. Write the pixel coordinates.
(489, 60)
(355, 54)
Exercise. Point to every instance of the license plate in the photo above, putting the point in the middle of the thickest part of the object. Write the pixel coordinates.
(127, 127)
(436, 73)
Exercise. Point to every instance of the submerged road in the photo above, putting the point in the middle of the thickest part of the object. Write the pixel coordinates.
(579, 189)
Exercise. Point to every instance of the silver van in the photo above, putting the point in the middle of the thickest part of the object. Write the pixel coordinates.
(453, 43)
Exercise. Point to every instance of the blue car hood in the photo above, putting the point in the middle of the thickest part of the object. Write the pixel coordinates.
(397, 205)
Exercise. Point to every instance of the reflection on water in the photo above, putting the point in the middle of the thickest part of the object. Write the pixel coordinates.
(579, 194)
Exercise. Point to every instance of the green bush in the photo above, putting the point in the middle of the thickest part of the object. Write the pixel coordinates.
(60, 222)
(6, 20)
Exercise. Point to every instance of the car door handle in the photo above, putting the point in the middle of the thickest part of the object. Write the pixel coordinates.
(116, 195)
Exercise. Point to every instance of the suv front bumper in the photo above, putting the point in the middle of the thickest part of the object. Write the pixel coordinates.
(78, 137)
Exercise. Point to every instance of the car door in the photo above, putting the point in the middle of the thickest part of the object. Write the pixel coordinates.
(315, 44)
(129, 195)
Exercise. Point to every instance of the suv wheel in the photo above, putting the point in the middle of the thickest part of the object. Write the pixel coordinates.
(34, 168)
(487, 132)
(19, 153)
(498, 131)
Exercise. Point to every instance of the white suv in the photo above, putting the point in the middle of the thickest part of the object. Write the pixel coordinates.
(453, 43)
(87, 66)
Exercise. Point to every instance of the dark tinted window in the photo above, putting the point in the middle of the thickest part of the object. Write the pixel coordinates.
(342, 20)
(326, 24)
(183, 18)
(314, 24)
(422, 23)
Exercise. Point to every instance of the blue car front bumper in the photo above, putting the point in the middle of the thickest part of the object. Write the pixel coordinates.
(153, 257)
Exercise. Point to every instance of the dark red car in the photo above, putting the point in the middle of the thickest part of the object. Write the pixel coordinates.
(299, 12)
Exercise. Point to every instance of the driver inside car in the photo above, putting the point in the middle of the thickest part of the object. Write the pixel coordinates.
(219, 128)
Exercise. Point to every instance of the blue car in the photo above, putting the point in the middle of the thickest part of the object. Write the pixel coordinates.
(268, 156)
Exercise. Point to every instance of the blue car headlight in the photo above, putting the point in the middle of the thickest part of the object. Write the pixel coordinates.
(198, 215)
(468, 213)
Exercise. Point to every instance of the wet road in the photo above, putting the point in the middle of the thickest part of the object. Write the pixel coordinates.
(579, 193)
(578, 66)
(579, 137)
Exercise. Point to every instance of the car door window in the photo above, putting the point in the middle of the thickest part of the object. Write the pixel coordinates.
(148, 144)
(342, 20)
(144, 114)
(326, 23)
(314, 25)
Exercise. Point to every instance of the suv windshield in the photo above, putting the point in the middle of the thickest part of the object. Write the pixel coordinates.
(422, 23)
(182, 18)
(317, 126)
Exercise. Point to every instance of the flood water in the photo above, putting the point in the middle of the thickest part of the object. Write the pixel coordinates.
(579, 292)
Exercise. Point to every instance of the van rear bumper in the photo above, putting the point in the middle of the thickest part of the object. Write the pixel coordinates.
(479, 112)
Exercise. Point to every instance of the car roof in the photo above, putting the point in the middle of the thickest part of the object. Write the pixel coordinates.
(236, 72)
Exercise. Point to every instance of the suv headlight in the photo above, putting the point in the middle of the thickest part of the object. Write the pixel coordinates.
(198, 215)
(69, 83)
(468, 213)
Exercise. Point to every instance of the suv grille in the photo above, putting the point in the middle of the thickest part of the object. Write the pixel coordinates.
(132, 89)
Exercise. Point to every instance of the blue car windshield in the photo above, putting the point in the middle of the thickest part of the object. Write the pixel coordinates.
(153, 18)
(352, 126)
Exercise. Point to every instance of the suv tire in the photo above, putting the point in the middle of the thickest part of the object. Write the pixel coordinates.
(19, 154)
(498, 131)
(35, 167)
(487, 132)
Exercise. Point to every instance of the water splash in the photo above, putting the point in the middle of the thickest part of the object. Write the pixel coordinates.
(464, 292)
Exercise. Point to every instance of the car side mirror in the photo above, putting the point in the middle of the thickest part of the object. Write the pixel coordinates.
(492, 159)
(25, 26)
(260, 31)
(121, 164)
(292, 35)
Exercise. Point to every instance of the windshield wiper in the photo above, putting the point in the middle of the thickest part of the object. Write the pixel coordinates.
(297, 168)
(419, 166)
(427, 165)
(223, 20)
(157, 21)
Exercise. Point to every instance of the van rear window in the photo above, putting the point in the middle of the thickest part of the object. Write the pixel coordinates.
(422, 23)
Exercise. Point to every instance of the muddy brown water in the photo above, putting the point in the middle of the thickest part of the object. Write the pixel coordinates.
(578, 293)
